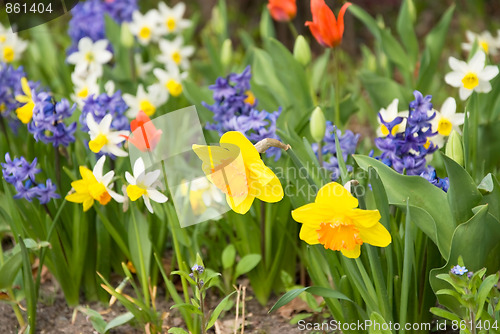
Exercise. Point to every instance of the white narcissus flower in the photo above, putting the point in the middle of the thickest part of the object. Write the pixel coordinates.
(171, 79)
(90, 57)
(146, 101)
(144, 185)
(485, 41)
(388, 115)
(103, 138)
(11, 46)
(471, 76)
(84, 86)
(175, 53)
(171, 20)
(105, 180)
(446, 121)
(145, 27)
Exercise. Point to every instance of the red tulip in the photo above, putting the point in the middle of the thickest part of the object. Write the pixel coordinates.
(282, 10)
(144, 134)
(324, 27)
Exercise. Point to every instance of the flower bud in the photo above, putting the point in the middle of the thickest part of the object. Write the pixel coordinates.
(126, 37)
(227, 52)
(302, 51)
(317, 125)
(454, 148)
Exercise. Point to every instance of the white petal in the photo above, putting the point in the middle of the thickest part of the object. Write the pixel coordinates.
(148, 204)
(151, 177)
(488, 73)
(130, 179)
(97, 171)
(101, 45)
(458, 119)
(476, 64)
(103, 56)
(91, 123)
(113, 149)
(106, 123)
(157, 196)
(464, 93)
(449, 107)
(85, 44)
(458, 65)
(106, 179)
(116, 197)
(483, 87)
(454, 79)
(139, 168)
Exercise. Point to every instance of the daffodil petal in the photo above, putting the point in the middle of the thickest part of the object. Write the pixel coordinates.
(353, 253)
(248, 151)
(260, 172)
(242, 207)
(364, 218)
(336, 196)
(272, 192)
(309, 234)
(376, 235)
(312, 214)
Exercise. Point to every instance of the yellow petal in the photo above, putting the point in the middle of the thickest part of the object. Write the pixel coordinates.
(25, 113)
(376, 235)
(97, 143)
(87, 174)
(77, 197)
(80, 186)
(134, 192)
(22, 99)
(364, 218)
(353, 253)
(88, 204)
(243, 207)
(260, 172)
(312, 214)
(336, 196)
(26, 87)
(248, 151)
(309, 234)
(272, 192)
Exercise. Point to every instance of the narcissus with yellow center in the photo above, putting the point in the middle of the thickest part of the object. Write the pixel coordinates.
(94, 186)
(334, 221)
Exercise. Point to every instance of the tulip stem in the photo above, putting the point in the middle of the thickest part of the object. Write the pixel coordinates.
(293, 30)
(336, 62)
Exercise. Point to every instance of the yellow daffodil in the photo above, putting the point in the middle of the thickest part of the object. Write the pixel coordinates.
(235, 167)
(25, 113)
(334, 221)
(93, 187)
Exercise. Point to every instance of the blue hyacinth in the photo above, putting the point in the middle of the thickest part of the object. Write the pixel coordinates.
(235, 109)
(21, 174)
(10, 86)
(348, 142)
(88, 18)
(406, 152)
(101, 105)
(47, 124)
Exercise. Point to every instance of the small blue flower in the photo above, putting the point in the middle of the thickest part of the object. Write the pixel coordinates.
(458, 270)
(101, 105)
(430, 175)
(235, 109)
(45, 192)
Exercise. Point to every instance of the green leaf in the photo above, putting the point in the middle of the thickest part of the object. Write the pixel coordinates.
(96, 319)
(406, 20)
(228, 256)
(445, 314)
(9, 270)
(434, 43)
(119, 320)
(422, 194)
(266, 25)
(247, 263)
(462, 194)
(395, 52)
(177, 330)
(383, 97)
(185, 275)
(378, 319)
(218, 310)
(315, 290)
(484, 290)
(477, 242)
(366, 18)
(188, 307)
(492, 197)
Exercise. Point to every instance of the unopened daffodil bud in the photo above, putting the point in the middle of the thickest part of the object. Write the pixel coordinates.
(317, 124)
(226, 54)
(454, 148)
(302, 51)
(126, 37)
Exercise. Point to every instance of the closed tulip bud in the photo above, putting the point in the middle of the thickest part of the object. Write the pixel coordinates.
(454, 148)
(318, 124)
(126, 37)
(302, 51)
(227, 52)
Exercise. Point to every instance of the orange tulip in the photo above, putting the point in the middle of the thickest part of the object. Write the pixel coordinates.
(144, 134)
(282, 10)
(324, 27)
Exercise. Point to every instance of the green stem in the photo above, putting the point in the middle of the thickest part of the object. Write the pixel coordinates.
(114, 233)
(300, 166)
(336, 62)
(293, 30)
(142, 265)
(366, 279)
